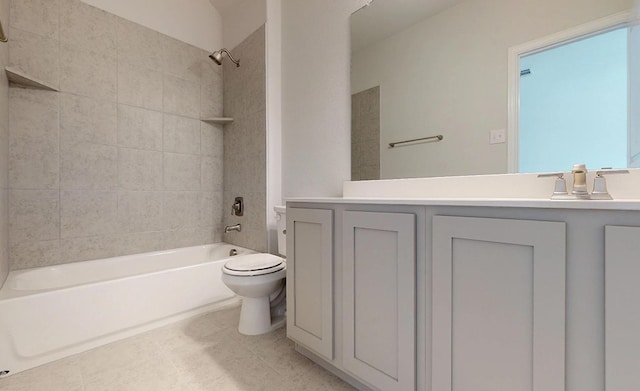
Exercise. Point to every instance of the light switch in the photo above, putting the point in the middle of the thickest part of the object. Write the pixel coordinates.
(498, 136)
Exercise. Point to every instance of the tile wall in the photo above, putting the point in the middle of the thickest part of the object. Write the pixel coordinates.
(117, 162)
(245, 142)
(365, 135)
(4, 148)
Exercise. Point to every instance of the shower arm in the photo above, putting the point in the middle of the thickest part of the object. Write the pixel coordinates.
(230, 57)
(218, 57)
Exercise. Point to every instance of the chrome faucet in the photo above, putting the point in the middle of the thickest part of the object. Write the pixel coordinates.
(230, 228)
(600, 184)
(560, 187)
(580, 191)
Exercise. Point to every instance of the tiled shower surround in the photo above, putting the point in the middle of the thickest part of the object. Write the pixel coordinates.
(117, 162)
(365, 135)
(245, 142)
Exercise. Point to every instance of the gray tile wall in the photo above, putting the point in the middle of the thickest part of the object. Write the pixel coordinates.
(4, 148)
(365, 135)
(245, 142)
(118, 162)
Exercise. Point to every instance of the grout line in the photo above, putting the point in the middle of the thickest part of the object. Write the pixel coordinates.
(59, 128)
(117, 121)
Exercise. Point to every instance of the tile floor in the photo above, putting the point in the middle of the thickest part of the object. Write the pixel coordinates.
(201, 353)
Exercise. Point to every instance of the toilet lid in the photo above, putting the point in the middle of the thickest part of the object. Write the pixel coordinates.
(254, 264)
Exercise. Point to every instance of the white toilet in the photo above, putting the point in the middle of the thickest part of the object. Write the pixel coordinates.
(260, 280)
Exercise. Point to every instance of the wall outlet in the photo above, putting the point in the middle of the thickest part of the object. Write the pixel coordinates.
(497, 136)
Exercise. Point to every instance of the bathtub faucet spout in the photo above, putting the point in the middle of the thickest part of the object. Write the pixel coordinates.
(230, 228)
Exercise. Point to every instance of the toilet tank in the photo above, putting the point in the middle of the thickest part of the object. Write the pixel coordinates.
(281, 218)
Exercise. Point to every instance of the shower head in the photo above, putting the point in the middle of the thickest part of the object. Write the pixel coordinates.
(217, 57)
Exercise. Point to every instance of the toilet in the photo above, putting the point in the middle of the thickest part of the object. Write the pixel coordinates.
(259, 279)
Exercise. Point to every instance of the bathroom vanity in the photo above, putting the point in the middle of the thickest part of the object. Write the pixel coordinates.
(467, 294)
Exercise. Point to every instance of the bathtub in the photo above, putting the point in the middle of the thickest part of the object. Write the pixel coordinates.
(52, 312)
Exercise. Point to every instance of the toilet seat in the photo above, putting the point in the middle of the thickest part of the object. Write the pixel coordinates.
(254, 265)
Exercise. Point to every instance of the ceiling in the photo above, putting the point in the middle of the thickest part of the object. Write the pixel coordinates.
(379, 21)
(383, 18)
(222, 5)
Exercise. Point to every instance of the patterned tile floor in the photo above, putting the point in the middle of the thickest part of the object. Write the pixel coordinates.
(200, 353)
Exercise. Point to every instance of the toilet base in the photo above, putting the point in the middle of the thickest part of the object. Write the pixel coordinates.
(255, 317)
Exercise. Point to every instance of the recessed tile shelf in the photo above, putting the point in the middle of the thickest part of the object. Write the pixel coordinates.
(18, 77)
(217, 120)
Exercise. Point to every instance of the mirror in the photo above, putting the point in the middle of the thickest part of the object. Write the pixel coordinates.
(423, 69)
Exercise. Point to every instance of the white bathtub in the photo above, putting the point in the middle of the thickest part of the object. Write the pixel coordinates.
(52, 312)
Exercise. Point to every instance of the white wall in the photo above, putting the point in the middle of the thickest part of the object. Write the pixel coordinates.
(193, 21)
(274, 117)
(241, 19)
(4, 148)
(316, 96)
(448, 75)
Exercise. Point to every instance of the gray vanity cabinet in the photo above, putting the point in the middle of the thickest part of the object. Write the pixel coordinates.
(622, 304)
(498, 304)
(456, 298)
(310, 279)
(378, 298)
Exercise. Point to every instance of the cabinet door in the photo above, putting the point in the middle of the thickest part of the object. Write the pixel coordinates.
(622, 308)
(309, 279)
(379, 298)
(498, 305)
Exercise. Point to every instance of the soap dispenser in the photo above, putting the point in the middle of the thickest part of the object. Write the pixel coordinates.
(580, 181)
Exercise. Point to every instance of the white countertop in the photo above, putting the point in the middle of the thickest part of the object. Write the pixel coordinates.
(486, 202)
